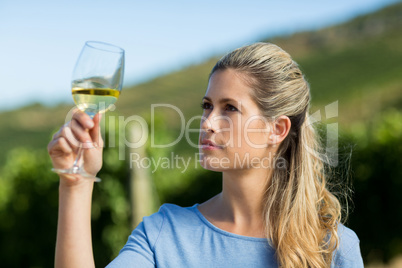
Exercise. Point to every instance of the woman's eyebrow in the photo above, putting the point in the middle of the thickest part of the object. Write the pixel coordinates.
(223, 100)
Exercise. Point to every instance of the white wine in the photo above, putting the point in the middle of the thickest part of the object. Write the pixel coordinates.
(94, 100)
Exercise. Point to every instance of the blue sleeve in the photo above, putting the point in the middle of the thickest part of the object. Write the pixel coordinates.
(353, 259)
(139, 249)
(348, 255)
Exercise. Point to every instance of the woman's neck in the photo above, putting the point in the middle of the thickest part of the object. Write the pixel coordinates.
(239, 207)
(242, 197)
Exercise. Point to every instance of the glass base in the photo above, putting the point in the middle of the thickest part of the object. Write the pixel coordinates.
(75, 171)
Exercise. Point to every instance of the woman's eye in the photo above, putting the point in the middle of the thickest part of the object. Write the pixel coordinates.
(228, 107)
(231, 108)
(205, 105)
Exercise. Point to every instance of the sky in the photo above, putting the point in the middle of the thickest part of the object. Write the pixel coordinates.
(41, 40)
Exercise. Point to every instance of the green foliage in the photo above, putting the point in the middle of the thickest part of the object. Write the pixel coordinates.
(29, 207)
(29, 127)
(28, 210)
(356, 70)
(377, 172)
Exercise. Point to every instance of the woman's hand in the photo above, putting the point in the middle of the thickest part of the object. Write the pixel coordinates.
(63, 147)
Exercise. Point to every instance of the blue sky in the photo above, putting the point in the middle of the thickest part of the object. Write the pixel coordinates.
(40, 40)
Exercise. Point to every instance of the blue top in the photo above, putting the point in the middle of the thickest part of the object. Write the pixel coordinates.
(182, 237)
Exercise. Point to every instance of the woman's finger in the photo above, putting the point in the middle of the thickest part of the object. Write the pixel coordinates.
(82, 118)
(58, 133)
(80, 133)
(59, 144)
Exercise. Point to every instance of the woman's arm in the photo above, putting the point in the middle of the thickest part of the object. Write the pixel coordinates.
(74, 243)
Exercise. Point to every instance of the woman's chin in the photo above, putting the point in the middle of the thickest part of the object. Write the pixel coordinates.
(214, 165)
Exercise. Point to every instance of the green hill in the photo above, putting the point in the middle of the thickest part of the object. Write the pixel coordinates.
(357, 63)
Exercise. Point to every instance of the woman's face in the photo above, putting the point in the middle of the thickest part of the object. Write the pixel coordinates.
(233, 133)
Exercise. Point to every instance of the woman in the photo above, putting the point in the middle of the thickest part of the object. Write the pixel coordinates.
(274, 208)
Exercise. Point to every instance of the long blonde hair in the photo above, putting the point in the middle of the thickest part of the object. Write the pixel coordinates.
(301, 215)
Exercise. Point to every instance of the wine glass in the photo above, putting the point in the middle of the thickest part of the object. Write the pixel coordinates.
(96, 85)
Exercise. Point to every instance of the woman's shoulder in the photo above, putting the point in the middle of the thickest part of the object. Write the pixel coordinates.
(347, 235)
(176, 209)
(168, 219)
(348, 251)
(172, 214)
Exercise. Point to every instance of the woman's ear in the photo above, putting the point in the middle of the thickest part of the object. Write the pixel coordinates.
(280, 130)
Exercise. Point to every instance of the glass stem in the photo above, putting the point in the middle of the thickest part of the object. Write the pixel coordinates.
(76, 165)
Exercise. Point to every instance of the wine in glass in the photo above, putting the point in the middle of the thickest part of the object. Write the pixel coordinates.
(96, 85)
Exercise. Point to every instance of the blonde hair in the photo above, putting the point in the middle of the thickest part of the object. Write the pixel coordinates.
(301, 215)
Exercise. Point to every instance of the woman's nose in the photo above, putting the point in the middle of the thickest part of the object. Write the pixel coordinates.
(212, 122)
(207, 124)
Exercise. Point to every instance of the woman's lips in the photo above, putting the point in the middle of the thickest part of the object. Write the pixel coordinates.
(209, 145)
